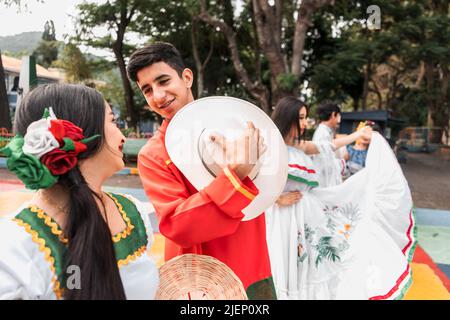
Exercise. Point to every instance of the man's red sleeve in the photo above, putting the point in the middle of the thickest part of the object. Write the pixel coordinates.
(186, 219)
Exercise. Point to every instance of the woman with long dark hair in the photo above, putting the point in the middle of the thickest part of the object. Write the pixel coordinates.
(72, 240)
(351, 241)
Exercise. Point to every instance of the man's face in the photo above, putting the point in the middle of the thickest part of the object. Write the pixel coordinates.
(164, 90)
(336, 119)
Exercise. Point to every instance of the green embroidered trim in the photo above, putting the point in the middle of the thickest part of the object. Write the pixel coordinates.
(127, 247)
(51, 240)
(302, 180)
(414, 236)
(405, 288)
(262, 290)
(126, 250)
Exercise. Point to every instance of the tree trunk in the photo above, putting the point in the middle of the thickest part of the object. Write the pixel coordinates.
(117, 47)
(366, 84)
(355, 103)
(256, 89)
(268, 29)
(199, 65)
(303, 23)
(5, 120)
(437, 97)
(132, 118)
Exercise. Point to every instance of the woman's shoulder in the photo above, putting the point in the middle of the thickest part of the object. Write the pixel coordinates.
(24, 268)
(296, 156)
(11, 225)
(18, 239)
(295, 153)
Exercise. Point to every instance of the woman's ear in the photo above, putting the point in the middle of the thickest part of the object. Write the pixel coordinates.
(188, 77)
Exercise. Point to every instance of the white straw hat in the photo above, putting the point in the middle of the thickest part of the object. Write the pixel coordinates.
(187, 138)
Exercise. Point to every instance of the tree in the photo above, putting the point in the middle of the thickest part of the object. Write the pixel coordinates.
(47, 49)
(271, 24)
(117, 17)
(18, 3)
(49, 31)
(432, 47)
(5, 119)
(74, 64)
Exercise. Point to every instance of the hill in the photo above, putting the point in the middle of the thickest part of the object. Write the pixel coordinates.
(22, 42)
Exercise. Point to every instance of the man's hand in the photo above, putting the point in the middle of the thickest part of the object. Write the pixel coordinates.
(289, 198)
(243, 153)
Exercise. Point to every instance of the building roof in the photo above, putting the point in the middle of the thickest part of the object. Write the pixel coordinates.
(13, 65)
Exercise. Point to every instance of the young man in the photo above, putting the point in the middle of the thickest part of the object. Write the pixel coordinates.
(206, 221)
(331, 168)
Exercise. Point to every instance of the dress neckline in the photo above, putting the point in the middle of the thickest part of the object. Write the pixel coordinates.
(58, 230)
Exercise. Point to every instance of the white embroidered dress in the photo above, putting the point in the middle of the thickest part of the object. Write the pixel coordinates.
(352, 241)
(32, 245)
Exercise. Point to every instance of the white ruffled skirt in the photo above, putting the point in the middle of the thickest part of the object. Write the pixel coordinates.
(351, 241)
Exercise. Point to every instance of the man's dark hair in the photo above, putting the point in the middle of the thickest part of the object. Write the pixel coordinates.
(326, 109)
(153, 53)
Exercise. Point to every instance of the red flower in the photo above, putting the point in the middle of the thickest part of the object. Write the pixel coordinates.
(59, 161)
(65, 129)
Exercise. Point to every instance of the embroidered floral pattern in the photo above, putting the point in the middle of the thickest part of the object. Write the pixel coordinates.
(333, 242)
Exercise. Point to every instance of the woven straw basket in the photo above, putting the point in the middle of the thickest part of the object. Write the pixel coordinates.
(198, 277)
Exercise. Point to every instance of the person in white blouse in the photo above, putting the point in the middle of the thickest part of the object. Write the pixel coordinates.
(72, 240)
(331, 166)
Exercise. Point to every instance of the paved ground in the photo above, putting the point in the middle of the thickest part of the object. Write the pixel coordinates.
(429, 179)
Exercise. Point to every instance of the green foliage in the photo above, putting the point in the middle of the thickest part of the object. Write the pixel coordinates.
(47, 49)
(325, 250)
(411, 33)
(49, 31)
(46, 52)
(112, 89)
(20, 4)
(339, 50)
(74, 63)
(287, 81)
(411, 106)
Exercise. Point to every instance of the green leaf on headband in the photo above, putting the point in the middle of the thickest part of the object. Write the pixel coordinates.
(46, 114)
(15, 145)
(68, 145)
(27, 168)
(87, 140)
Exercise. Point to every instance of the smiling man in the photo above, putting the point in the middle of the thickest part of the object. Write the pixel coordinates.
(207, 221)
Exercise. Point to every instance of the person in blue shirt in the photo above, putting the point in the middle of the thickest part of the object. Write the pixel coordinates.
(357, 153)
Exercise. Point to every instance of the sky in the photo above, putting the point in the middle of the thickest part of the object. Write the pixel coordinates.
(13, 21)
(37, 12)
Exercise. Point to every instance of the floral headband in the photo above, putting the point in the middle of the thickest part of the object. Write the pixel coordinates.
(49, 149)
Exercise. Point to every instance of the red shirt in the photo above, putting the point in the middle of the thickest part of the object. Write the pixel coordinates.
(206, 221)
